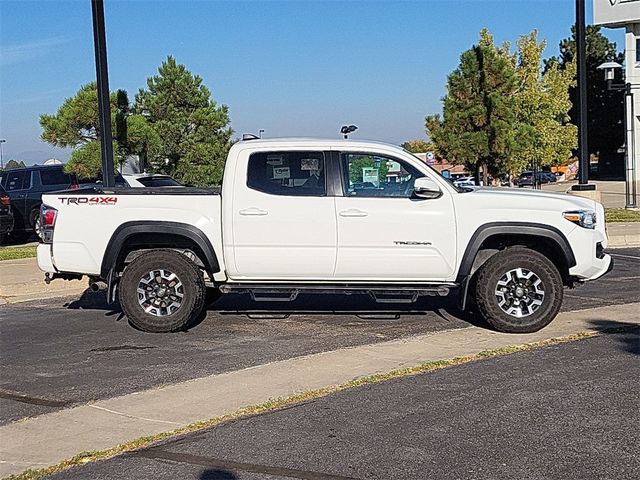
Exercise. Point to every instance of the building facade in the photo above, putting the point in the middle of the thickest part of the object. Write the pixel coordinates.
(626, 14)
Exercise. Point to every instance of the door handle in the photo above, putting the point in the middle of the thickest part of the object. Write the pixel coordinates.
(253, 212)
(353, 212)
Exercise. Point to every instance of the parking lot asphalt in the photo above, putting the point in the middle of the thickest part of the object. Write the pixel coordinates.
(568, 411)
(61, 352)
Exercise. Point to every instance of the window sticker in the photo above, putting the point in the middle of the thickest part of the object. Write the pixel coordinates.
(309, 164)
(275, 160)
(281, 172)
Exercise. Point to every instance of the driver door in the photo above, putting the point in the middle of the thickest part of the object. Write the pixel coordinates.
(384, 231)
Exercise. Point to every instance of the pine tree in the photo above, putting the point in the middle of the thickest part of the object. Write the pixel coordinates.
(76, 125)
(190, 134)
(478, 110)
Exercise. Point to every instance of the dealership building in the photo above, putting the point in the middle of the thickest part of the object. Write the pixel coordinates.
(626, 14)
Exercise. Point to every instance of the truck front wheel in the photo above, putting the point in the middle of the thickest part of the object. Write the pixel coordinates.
(518, 290)
(162, 291)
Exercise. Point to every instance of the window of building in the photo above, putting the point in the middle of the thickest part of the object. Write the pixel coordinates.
(370, 175)
(638, 50)
(287, 173)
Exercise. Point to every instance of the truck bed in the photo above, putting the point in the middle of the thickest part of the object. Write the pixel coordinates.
(88, 218)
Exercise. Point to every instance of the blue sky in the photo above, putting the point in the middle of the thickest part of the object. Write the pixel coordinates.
(300, 68)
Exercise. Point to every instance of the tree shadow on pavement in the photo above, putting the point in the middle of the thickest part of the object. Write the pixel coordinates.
(627, 334)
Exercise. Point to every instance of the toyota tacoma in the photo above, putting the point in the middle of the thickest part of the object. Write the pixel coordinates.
(313, 215)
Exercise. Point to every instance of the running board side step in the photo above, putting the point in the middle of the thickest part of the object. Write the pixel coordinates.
(379, 293)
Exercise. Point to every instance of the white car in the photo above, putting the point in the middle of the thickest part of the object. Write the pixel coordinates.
(149, 180)
(465, 182)
(298, 215)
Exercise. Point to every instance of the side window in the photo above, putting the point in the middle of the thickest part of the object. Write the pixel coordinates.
(15, 180)
(371, 175)
(55, 176)
(27, 179)
(287, 173)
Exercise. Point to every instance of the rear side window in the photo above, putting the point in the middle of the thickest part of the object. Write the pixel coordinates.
(158, 182)
(15, 180)
(55, 176)
(287, 173)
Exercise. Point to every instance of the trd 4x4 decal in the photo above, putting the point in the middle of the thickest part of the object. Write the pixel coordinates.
(88, 200)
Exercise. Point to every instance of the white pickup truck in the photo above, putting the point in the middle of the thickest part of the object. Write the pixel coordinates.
(312, 215)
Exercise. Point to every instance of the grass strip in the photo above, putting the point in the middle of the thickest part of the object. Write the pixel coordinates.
(621, 215)
(14, 253)
(278, 403)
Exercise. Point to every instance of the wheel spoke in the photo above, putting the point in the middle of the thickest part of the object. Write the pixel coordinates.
(160, 292)
(519, 292)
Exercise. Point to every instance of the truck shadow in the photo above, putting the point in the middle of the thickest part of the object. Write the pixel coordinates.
(360, 306)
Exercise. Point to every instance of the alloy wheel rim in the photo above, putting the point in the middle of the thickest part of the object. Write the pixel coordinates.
(160, 292)
(519, 292)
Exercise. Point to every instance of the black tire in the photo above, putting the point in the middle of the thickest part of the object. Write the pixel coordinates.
(533, 317)
(192, 289)
(34, 217)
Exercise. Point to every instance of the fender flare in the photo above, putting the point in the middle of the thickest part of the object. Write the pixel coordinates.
(128, 229)
(489, 230)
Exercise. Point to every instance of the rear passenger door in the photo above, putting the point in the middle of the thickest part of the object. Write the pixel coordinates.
(284, 224)
(17, 184)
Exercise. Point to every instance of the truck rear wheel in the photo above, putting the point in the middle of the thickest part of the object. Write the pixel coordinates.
(162, 291)
(518, 290)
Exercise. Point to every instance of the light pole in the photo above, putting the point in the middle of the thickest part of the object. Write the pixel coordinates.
(260, 132)
(581, 61)
(610, 68)
(102, 81)
(2, 140)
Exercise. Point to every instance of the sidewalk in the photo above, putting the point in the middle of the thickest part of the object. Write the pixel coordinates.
(21, 280)
(623, 234)
(49, 439)
(612, 191)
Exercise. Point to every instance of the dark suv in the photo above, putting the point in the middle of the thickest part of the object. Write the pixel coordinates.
(25, 187)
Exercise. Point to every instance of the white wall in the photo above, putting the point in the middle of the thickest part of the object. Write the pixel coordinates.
(632, 74)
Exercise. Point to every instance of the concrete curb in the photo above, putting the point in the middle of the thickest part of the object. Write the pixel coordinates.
(51, 438)
(624, 241)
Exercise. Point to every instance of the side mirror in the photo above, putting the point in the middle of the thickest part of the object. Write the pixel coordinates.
(426, 188)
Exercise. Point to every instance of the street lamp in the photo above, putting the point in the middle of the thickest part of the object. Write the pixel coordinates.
(630, 170)
(347, 129)
(2, 140)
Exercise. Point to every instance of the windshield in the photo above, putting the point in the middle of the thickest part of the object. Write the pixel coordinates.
(448, 180)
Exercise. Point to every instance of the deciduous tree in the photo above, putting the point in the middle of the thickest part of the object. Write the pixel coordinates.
(542, 104)
(605, 109)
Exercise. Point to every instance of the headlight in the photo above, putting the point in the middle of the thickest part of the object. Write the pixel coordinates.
(584, 218)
